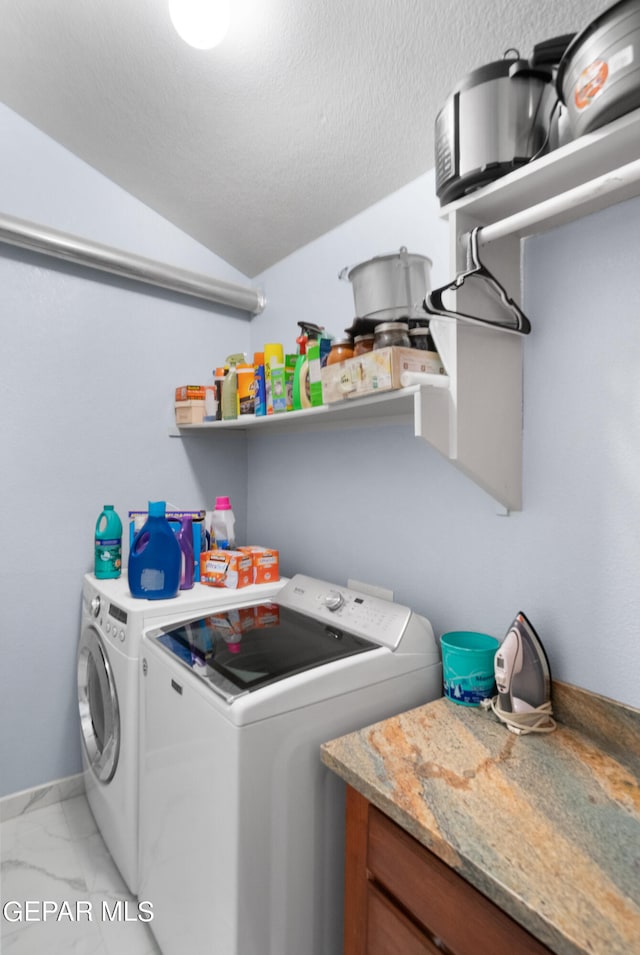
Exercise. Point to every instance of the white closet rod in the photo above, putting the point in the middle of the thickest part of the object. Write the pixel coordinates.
(618, 185)
(48, 241)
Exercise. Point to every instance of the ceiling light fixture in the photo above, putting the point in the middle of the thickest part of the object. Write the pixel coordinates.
(201, 23)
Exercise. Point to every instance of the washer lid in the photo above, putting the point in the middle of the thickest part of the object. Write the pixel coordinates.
(239, 651)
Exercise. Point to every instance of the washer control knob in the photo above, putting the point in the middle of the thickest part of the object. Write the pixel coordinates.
(334, 600)
(94, 606)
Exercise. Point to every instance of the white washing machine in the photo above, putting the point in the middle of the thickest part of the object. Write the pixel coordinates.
(108, 697)
(241, 825)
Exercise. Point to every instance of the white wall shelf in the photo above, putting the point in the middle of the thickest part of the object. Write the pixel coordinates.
(582, 177)
(404, 406)
(600, 154)
(476, 421)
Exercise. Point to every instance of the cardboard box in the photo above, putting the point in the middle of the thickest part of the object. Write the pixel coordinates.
(190, 393)
(266, 563)
(375, 371)
(226, 568)
(189, 412)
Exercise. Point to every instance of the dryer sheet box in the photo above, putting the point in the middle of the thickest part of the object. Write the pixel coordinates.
(266, 563)
(226, 568)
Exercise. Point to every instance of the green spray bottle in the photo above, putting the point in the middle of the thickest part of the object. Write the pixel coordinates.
(230, 388)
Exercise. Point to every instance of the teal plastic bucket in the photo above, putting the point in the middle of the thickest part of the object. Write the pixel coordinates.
(467, 666)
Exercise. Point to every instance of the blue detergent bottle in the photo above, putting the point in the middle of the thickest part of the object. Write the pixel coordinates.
(156, 558)
(108, 544)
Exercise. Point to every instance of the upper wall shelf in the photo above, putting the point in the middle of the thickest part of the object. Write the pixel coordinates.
(594, 171)
(584, 176)
(403, 406)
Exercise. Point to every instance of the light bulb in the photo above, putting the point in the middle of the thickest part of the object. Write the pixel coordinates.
(201, 23)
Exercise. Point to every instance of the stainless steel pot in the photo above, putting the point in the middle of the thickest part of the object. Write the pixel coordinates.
(391, 286)
(599, 75)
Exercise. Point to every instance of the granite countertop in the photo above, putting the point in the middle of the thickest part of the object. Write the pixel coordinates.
(547, 826)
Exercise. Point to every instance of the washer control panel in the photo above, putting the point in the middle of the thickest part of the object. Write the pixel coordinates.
(371, 617)
(110, 618)
(115, 624)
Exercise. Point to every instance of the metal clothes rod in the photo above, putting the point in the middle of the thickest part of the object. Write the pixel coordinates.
(618, 185)
(94, 255)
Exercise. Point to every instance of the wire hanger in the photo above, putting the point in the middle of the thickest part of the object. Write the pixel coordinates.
(516, 320)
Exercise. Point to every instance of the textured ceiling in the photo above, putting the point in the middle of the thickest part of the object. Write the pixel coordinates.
(310, 111)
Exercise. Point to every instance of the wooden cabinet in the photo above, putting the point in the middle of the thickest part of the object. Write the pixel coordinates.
(400, 899)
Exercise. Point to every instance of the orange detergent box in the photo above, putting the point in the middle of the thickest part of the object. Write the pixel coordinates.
(226, 568)
(190, 393)
(266, 563)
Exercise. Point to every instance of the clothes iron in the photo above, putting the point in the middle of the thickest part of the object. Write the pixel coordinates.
(523, 680)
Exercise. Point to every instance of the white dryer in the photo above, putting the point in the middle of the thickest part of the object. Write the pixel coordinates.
(108, 697)
(241, 825)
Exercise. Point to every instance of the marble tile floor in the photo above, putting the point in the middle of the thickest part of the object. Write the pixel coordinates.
(56, 854)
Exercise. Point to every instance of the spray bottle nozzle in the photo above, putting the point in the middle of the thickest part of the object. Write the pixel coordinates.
(311, 330)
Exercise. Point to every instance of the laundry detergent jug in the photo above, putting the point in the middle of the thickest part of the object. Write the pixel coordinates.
(185, 539)
(108, 544)
(155, 559)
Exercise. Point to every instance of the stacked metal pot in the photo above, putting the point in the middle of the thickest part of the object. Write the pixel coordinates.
(390, 287)
(507, 113)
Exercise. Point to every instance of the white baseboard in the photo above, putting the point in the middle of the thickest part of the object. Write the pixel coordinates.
(17, 804)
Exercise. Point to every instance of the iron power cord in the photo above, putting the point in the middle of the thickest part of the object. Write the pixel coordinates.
(538, 720)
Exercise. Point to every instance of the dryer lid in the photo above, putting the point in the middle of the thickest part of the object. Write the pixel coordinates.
(242, 650)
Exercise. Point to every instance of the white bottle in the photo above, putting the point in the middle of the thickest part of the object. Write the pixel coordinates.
(223, 525)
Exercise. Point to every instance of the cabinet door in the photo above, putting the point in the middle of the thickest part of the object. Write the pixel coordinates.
(400, 899)
(389, 932)
(438, 898)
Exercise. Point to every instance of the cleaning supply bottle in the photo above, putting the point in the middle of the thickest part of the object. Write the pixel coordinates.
(108, 544)
(230, 389)
(273, 355)
(185, 539)
(300, 397)
(277, 375)
(219, 381)
(260, 393)
(223, 524)
(155, 558)
(246, 389)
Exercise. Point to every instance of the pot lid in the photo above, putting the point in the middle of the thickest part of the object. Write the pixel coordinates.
(496, 70)
(401, 256)
(604, 18)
